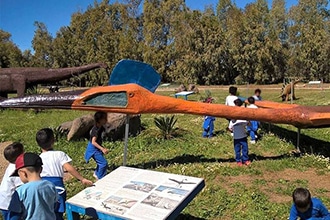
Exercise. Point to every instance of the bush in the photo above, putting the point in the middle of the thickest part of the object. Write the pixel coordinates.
(166, 126)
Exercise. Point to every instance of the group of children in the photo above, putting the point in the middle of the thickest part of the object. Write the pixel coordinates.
(32, 186)
(304, 207)
(238, 128)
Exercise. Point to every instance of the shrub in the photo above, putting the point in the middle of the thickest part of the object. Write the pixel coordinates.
(166, 126)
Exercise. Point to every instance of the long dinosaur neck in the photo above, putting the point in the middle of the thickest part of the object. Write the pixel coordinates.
(45, 75)
(54, 75)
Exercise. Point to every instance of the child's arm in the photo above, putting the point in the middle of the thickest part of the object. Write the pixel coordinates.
(15, 207)
(324, 213)
(68, 167)
(293, 213)
(104, 150)
(231, 125)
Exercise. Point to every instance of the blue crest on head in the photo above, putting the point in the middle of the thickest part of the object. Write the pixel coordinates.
(132, 71)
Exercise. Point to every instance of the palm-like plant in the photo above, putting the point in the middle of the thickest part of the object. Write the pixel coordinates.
(166, 125)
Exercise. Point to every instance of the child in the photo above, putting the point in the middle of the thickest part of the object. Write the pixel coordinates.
(36, 198)
(240, 138)
(257, 94)
(230, 99)
(253, 126)
(208, 125)
(9, 184)
(232, 96)
(305, 207)
(94, 148)
(55, 162)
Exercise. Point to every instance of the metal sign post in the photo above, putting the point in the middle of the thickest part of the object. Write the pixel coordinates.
(298, 140)
(126, 140)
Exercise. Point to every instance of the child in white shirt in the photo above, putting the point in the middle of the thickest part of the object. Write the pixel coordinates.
(54, 164)
(240, 139)
(9, 184)
(253, 126)
(231, 98)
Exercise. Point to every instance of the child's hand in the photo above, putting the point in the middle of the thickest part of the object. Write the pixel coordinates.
(86, 182)
(105, 151)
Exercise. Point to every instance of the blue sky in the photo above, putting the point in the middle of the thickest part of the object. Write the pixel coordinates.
(18, 16)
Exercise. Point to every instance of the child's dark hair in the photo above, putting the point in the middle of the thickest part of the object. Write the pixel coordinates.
(238, 102)
(45, 138)
(12, 151)
(233, 90)
(257, 91)
(98, 116)
(251, 100)
(34, 169)
(301, 197)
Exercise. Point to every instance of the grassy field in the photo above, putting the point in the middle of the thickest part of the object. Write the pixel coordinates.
(260, 191)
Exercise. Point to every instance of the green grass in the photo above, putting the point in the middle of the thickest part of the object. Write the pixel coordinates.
(261, 191)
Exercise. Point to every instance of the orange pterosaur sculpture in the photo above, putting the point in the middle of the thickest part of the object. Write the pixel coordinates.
(134, 99)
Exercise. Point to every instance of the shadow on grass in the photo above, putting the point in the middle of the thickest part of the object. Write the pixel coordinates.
(188, 158)
(182, 159)
(307, 144)
(188, 217)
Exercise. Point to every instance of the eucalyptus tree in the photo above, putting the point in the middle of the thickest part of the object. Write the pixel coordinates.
(103, 33)
(253, 57)
(162, 21)
(63, 54)
(309, 37)
(10, 54)
(279, 36)
(42, 46)
(204, 56)
(230, 20)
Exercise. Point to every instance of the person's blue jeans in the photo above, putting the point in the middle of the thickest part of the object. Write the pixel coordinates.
(209, 132)
(102, 164)
(252, 129)
(252, 134)
(5, 214)
(241, 150)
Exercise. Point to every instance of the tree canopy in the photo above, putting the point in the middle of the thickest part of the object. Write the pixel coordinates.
(221, 45)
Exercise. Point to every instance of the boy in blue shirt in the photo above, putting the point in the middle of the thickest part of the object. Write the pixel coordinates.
(307, 208)
(36, 198)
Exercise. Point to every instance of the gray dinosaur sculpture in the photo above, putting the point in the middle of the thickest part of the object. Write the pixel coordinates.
(18, 79)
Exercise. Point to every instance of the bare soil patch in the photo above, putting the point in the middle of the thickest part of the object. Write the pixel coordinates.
(315, 182)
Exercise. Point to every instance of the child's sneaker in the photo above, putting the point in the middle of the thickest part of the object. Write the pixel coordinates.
(94, 175)
(247, 163)
(239, 164)
(252, 142)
